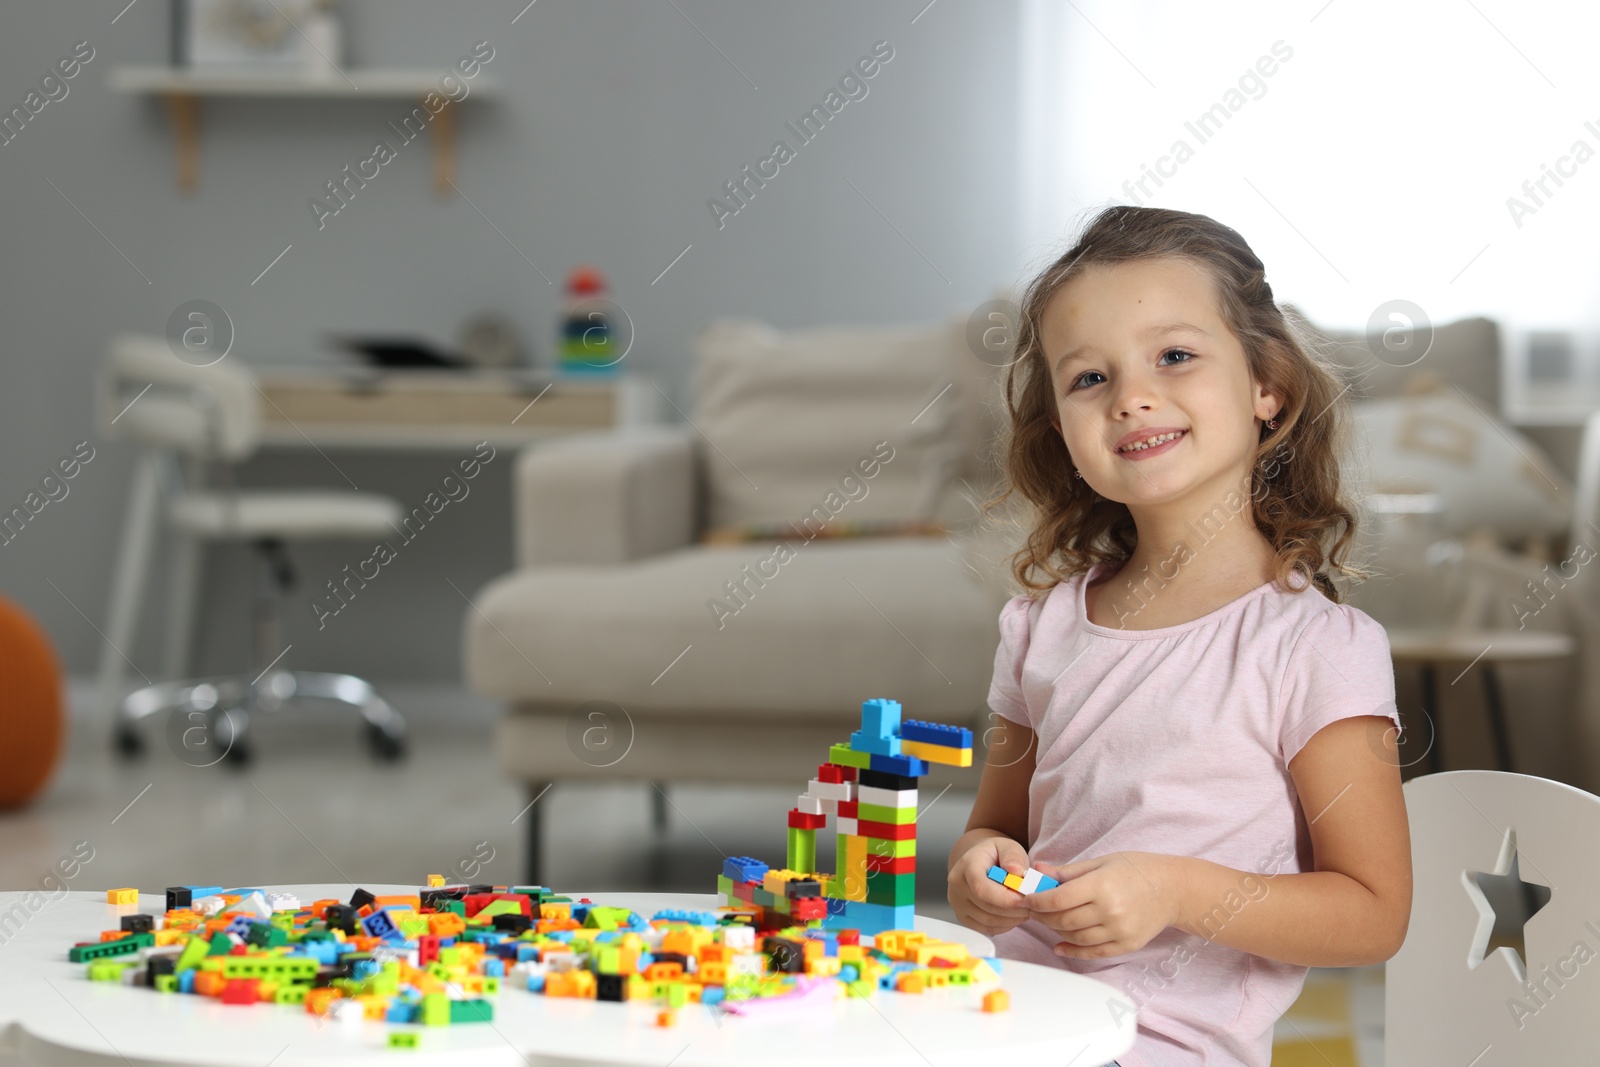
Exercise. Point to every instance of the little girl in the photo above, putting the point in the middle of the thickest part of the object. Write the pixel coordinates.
(1196, 737)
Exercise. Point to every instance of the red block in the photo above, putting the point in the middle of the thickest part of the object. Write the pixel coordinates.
(892, 864)
(848, 772)
(799, 820)
(427, 949)
(238, 950)
(849, 937)
(241, 991)
(476, 902)
(830, 772)
(847, 809)
(806, 908)
(887, 831)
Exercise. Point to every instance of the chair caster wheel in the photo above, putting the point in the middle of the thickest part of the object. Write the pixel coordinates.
(385, 748)
(128, 744)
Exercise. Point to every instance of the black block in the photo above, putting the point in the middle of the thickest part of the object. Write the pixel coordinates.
(138, 924)
(608, 987)
(178, 897)
(360, 898)
(884, 780)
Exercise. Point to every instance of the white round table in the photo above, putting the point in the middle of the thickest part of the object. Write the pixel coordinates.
(52, 1015)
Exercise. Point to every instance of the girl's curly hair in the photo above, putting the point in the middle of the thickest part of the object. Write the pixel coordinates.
(1296, 499)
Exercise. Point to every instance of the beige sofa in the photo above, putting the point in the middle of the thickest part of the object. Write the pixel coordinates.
(625, 647)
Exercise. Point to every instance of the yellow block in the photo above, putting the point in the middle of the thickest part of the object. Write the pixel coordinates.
(1014, 881)
(855, 868)
(435, 880)
(122, 896)
(948, 755)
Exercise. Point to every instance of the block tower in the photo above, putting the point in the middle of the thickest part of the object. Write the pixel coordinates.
(870, 787)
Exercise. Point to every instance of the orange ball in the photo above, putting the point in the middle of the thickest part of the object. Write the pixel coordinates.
(30, 707)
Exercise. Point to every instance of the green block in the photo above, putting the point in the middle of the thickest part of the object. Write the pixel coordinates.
(122, 946)
(290, 994)
(220, 945)
(166, 983)
(499, 907)
(845, 756)
(724, 885)
(491, 984)
(863, 988)
(414, 927)
(450, 956)
(196, 950)
(109, 970)
(404, 1039)
(608, 960)
(894, 890)
(456, 906)
(880, 813)
(435, 1010)
(471, 1011)
(265, 935)
(604, 918)
(802, 850)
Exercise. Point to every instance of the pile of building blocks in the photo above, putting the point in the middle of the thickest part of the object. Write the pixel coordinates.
(436, 957)
(870, 787)
(1027, 883)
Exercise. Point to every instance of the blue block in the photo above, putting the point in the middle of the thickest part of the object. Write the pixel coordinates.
(905, 766)
(863, 741)
(536, 983)
(880, 718)
(379, 924)
(400, 1012)
(997, 874)
(712, 994)
(933, 733)
(495, 967)
(876, 918)
(198, 891)
(1046, 882)
(186, 980)
(744, 869)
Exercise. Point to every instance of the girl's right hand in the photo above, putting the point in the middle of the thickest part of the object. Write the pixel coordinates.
(981, 903)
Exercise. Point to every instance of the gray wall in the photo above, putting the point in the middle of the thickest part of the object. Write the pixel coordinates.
(616, 121)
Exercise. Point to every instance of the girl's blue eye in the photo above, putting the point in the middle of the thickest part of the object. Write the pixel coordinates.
(1078, 382)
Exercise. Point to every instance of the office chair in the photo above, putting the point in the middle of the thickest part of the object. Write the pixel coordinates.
(191, 422)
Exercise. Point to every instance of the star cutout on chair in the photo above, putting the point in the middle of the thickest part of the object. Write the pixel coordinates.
(1504, 929)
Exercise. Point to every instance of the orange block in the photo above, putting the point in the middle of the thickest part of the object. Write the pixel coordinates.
(667, 1018)
(209, 983)
(320, 906)
(446, 924)
(113, 935)
(412, 902)
(909, 983)
(318, 1001)
(996, 1000)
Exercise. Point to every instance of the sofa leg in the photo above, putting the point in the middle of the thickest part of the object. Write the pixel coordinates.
(533, 858)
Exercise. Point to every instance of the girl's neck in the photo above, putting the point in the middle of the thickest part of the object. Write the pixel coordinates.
(1175, 584)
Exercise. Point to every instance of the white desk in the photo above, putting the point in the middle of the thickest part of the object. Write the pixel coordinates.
(369, 408)
(52, 1014)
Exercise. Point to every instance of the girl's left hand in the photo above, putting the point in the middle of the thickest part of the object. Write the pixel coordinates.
(1108, 905)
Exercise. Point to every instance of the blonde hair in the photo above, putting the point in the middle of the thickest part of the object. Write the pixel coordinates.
(1298, 504)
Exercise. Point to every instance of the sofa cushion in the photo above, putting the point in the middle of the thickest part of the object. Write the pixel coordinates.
(1489, 475)
(1464, 353)
(788, 417)
(808, 633)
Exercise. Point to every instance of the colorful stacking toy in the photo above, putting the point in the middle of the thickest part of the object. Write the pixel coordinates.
(870, 787)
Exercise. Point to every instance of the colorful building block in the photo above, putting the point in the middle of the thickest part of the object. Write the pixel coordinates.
(122, 896)
(1030, 882)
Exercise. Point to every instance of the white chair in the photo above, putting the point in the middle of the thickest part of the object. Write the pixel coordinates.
(1448, 1001)
(1486, 568)
(188, 422)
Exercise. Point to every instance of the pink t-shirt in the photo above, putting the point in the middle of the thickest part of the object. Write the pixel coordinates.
(1177, 740)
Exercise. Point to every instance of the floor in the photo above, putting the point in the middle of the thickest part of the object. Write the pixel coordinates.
(315, 807)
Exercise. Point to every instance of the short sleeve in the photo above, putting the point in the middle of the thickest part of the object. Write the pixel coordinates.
(1339, 667)
(1005, 690)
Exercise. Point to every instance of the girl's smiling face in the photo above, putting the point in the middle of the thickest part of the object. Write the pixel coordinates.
(1139, 350)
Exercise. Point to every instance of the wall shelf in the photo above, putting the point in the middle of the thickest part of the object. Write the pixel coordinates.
(183, 88)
